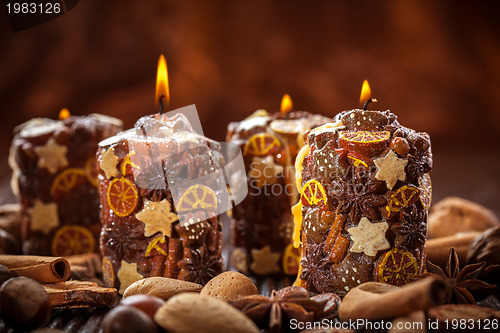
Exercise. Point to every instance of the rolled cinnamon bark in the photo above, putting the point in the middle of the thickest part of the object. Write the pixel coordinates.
(413, 323)
(375, 301)
(41, 269)
(438, 249)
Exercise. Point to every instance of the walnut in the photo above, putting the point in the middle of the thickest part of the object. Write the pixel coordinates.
(453, 215)
(485, 247)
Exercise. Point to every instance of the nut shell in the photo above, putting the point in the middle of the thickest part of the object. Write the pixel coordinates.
(161, 287)
(453, 215)
(485, 247)
(211, 316)
(229, 286)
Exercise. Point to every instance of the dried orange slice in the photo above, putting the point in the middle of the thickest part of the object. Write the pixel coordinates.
(155, 245)
(313, 193)
(91, 171)
(396, 266)
(358, 159)
(425, 184)
(197, 197)
(72, 239)
(291, 260)
(366, 142)
(261, 144)
(108, 274)
(122, 196)
(128, 161)
(66, 181)
(403, 197)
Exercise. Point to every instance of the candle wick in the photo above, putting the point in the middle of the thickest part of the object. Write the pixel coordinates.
(162, 106)
(374, 100)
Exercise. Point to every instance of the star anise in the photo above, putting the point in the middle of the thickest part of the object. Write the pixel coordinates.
(360, 198)
(276, 311)
(418, 164)
(463, 282)
(314, 266)
(410, 229)
(199, 266)
(125, 241)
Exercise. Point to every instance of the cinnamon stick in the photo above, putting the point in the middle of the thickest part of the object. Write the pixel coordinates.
(438, 249)
(41, 269)
(375, 301)
(414, 322)
(76, 294)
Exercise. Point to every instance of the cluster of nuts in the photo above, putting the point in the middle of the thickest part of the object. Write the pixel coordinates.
(156, 303)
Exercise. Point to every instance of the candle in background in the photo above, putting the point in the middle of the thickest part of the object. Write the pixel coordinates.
(262, 224)
(55, 179)
(365, 192)
(141, 231)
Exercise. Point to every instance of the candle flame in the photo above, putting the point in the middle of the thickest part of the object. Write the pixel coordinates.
(162, 88)
(286, 104)
(366, 93)
(64, 113)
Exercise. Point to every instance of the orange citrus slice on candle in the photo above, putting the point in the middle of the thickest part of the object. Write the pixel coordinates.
(366, 142)
(128, 161)
(291, 260)
(72, 239)
(313, 193)
(122, 196)
(108, 274)
(261, 144)
(403, 197)
(424, 182)
(66, 181)
(197, 197)
(91, 171)
(395, 267)
(155, 245)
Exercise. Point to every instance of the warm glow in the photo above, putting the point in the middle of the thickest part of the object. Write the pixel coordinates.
(366, 92)
(286, 104)
(162, 82)
(64, 113)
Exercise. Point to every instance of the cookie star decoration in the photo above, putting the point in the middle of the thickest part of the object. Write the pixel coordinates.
(369, 237)
(390, 168)
(157, 217)
(265, 261)
(108, 163)
(52, 156)
(127, 275)
(264, 170)
(44, 216)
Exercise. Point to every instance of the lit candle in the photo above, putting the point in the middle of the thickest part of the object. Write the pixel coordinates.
(55, 179)
(143, 207)
(262, 224)
(365, 191)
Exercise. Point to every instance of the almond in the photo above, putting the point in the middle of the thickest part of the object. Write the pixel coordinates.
(193, 313)
(228, 286)
(161, 287)
(453, 215)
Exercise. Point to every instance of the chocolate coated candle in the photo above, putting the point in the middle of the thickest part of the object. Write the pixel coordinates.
(55, 179)
(141, 234)
(365, 192)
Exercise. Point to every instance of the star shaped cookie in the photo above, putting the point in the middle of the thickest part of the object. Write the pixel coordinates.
(127, 275)
(265, 261)
(44, 216)
(390, 168)
(108, 163)
(369, 237)
(52, 156)
(157, 217)
(264, 170)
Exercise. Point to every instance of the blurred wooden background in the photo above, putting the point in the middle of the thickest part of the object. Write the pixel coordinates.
(434, 63)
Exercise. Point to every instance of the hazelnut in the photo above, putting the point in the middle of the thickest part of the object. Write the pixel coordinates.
(146, 303)
(5, 274)
(24, 303)
(127, 319)
(485, 247)
(400, 146)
